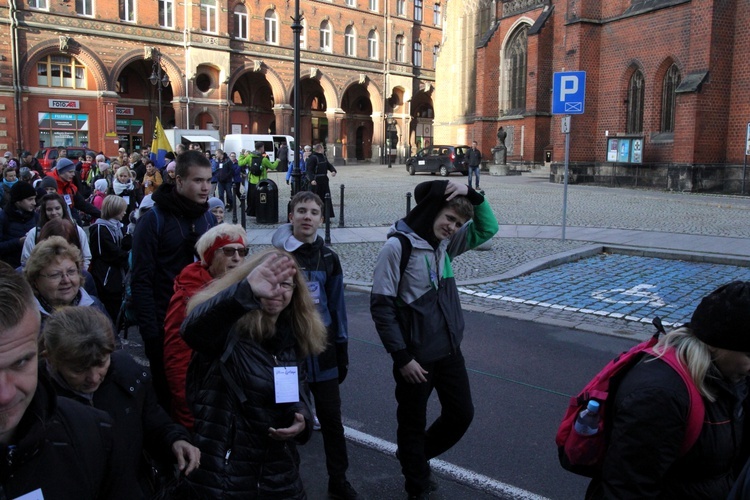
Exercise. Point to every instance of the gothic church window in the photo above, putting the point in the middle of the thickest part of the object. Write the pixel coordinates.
(669, 96)
(635, 103)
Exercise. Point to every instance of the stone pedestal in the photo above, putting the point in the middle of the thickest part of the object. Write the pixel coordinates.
(500, 155)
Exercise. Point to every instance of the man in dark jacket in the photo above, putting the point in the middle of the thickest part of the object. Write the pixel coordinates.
(16, 219)
(163, 244)
(417, 312)
(317, 167)
(325, 372)
(28, 160)
(474, 159)
(50, 447)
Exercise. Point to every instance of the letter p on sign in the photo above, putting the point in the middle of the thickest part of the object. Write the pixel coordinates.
(569, 86)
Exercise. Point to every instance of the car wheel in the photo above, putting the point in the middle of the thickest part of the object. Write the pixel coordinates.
(443, 171)
(411, 170)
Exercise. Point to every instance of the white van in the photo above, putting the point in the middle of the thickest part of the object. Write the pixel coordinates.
(236, 143)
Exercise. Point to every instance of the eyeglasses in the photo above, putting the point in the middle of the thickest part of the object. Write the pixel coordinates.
(287, 286)
(229, 251)
(58, 276)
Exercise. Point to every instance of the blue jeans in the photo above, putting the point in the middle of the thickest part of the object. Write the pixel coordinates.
(226, 187)
(474, 171)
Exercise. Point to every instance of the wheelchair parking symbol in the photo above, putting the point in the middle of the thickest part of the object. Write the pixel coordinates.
(638, 294)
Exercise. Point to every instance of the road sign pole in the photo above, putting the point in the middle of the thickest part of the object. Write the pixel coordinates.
(566, 130)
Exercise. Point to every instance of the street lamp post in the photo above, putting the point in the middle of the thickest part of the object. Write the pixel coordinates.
(158, 76)
(297, 29)
(389, 124)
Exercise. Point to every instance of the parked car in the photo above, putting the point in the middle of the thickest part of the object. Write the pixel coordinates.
(439, 158)
(48, 156)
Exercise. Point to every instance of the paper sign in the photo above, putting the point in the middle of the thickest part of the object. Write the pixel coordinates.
(286, 384)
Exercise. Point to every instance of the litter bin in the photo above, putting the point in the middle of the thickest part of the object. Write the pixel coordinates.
(267, 202)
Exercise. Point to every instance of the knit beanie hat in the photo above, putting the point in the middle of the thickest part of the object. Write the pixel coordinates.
(63, 165)
(722, 319)
(48, 182)
(101, 185)
(20, 191)
(214, 202)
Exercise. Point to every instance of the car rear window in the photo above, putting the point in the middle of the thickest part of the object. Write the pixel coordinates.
(460, 151)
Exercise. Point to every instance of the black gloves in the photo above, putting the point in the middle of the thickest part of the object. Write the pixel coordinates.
(342, 359)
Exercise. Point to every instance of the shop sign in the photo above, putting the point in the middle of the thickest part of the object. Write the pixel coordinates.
(125, 111)
(64, 104)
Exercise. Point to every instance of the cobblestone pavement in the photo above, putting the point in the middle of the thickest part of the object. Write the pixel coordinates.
(573, 294)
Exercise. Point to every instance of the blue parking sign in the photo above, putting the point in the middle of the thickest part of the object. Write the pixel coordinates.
(568, 93)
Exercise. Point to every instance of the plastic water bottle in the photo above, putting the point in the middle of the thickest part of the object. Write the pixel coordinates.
(587, 423)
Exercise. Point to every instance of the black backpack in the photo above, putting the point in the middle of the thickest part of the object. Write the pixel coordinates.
(226, 172)
(255, 165)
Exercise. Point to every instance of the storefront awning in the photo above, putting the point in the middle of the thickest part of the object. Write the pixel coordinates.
(200, 138)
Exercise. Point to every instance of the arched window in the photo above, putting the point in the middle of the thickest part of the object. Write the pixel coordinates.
(271, 24)
(400, 55)
(240, 22)
(515, 63)
(350, 41)
(635, 103)
(60, 71)
(372, 45)
(668, 98)
(417, 55)
(325, 36)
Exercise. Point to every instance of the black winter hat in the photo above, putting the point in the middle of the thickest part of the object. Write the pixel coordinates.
(20, 191)
(722, 319)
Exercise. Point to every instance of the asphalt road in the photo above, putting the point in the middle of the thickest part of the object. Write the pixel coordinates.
(522, 375)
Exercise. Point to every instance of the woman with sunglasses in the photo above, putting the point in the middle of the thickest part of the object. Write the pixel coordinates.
(251, 330)
(220, 249)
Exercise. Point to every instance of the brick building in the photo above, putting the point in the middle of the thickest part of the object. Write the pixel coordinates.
(79, 72)
(667, 100)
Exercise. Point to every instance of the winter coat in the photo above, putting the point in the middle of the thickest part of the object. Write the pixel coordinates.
(84, 299)
(109, 261)
(66, 449)
(238, 458)
(418, 315)
(177, 353)
(163, 244)
(72, 196)
(127, 395)
(151, 182)
(643, 458)
(14, 224)
(325, 279)
(474, 157)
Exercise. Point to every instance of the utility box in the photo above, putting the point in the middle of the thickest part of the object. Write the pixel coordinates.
(267, 199)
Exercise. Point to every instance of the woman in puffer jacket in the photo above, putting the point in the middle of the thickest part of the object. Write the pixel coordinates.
(251, 330)
(644, 458)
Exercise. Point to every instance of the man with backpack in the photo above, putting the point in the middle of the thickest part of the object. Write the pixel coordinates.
(326, 371)
(417, 313)
(256, 165)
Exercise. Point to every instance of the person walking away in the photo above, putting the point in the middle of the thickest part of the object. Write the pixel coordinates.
(225, 179)
(256, 165)
(644, 458)
(163, 244)
(16, 219)
(325, 280)
(317, 167)
(110, 249)
(251, 331)
(474, 158)
(417, 313)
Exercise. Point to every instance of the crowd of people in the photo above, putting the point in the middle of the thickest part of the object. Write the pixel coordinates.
(247, 352)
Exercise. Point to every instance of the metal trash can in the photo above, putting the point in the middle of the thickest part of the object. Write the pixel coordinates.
(267, 202)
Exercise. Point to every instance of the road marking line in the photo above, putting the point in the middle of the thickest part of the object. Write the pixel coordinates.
(456, 473)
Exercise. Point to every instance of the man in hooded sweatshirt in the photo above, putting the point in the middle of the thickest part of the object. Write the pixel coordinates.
(163, 244)
(325, 280)
(417, 313)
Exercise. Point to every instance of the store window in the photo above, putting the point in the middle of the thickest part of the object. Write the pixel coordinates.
(60, 71)
(130, 134)
(63, 129)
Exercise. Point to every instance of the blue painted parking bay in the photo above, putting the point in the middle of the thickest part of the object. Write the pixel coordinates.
(617, 286)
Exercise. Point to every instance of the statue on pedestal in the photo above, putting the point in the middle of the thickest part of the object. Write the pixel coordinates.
(500, 151)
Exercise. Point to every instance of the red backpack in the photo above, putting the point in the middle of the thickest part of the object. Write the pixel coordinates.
(584, 455)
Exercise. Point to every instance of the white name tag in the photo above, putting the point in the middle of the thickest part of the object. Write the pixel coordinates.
(286, 384)
(127, 199)
(68, 200)
(34, 495)
(314, 288)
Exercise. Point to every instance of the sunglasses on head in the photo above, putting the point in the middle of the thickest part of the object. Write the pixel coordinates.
(229, 251)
